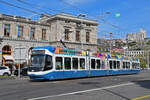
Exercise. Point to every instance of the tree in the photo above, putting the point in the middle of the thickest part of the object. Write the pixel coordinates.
(142, 59)
(143, 63)
(148, 42)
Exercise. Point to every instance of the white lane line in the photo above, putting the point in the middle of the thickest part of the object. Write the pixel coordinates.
(108, 87)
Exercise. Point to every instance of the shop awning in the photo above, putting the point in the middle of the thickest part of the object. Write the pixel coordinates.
(8, 57)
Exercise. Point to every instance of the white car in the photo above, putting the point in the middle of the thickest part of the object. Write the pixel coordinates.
(5, 71)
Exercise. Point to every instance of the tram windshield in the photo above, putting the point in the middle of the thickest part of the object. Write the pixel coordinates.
(37, 60)
(41, 63)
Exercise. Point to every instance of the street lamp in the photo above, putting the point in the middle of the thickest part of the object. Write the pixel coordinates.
(81, 15)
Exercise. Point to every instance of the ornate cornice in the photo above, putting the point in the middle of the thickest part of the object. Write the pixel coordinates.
(23, 21)
(69, 42)
(23, 40)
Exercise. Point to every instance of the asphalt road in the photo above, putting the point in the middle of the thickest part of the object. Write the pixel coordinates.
(123, 87)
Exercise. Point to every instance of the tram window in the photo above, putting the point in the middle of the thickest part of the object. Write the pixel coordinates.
(92, 63)
(133, 65)
(82, 63)
(128, 65)
(118, 64)
(103, 64)
(48, 64)
(114, 64)
(138, 65)
(75, 63)
(98, 64)
(110, 64)
(124, 65)
(59, 65)
(67, 62)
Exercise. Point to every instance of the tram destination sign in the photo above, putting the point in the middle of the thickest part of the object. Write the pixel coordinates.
(38, 52)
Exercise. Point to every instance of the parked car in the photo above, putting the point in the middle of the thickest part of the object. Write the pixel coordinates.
(5, 71)
(23, 71)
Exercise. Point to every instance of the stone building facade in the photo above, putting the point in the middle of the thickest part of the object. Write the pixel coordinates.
(135, 53)
(73, 31)
(19, 35)
(138, 37)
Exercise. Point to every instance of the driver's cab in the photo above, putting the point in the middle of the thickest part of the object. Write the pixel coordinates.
(41, 60)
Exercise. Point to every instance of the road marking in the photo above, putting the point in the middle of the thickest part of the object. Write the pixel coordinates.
(138, 98)
(90, 90)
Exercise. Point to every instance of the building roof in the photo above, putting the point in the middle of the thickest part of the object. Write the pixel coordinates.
(20, 19)
(70, 17)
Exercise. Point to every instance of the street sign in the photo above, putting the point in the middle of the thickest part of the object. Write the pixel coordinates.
(20, 55)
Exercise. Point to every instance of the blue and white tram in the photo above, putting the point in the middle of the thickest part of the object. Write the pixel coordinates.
(46, 64)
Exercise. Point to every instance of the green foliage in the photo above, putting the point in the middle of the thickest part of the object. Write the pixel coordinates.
(115, 53)
(148, 42)
(143, 63)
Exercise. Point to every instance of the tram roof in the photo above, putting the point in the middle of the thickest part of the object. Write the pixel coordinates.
(50, 48)
(68, 51)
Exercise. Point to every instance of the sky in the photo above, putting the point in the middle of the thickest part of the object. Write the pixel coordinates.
(134, 14)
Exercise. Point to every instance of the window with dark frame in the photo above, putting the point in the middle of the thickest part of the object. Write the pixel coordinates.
(67, 63)
(82, 63)
(7, 30)
(88, 24)
(78, 36)
(67, 21)
(75, 63)
(32, 33)
(48, 63)
(66, 34)
(43, 34)
(6, 50)
(92, 63)
(111, 64)
(124, 65)
(20, 31)
(98, 64)
(87, 36)
(118, 64)
(114, 64)
(59, 63)
(128, 65)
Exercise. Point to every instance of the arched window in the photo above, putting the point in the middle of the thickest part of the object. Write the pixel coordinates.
(6, 50)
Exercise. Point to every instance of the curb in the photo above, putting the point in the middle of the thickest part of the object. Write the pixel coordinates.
(13, 78)
(22, 78)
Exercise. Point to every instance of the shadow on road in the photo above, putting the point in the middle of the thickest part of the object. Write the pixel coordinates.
(143, 83)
